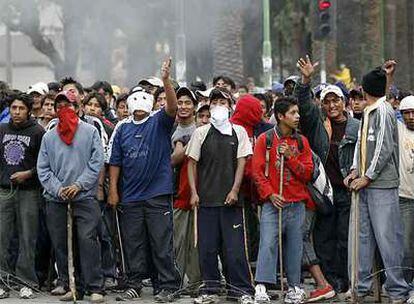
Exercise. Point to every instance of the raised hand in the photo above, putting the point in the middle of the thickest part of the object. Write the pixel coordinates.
(166, 69)
(307, 68)
(389, 67)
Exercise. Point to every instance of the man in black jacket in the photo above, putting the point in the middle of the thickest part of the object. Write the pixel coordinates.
(332, 134)
(19, 190)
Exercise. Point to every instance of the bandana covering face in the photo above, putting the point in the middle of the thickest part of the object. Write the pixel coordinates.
(220, 119)
(67, 125)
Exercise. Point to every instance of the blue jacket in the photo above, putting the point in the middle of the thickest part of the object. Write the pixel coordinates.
(60, 165)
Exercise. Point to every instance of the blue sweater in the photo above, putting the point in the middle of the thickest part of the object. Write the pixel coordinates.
(60, 165)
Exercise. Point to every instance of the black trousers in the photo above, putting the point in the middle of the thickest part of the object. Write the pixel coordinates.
(147, 229)
(330, 237)
(221, 230)
(87, 248)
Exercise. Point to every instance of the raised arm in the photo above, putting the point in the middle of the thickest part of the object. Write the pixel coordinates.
(171, 106)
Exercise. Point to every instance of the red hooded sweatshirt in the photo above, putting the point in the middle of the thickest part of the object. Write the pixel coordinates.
(248, 114)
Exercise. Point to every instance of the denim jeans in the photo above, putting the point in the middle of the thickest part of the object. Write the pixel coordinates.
(407, 216)
(20, 213)
(381, 225)
(293, 217)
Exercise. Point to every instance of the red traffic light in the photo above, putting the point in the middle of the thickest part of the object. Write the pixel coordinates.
(324, 4)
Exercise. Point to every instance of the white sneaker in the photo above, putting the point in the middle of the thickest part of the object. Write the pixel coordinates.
(260, 295)
(246, 299)
(26, 293)
(295, 295)
(410, 300)
(206, 299)
(4, 294)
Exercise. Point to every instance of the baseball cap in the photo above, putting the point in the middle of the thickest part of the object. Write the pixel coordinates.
(277, 87)
(319, 88)
(40, 88)
(187, 92)
(66, 95)
(220, 93)
(205, 93)
(332, 89)
(293, 78)
(154, 81)
(407, 103)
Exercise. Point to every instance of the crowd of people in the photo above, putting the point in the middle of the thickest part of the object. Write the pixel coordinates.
(190, 189)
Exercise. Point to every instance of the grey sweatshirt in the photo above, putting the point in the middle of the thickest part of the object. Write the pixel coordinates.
(60, 165)
(382, 159)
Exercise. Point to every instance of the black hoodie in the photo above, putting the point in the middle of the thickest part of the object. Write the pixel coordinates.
(19, 148)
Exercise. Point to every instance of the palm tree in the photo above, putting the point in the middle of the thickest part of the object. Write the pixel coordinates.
(227, 40)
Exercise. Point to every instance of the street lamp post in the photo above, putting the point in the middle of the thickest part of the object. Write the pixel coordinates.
(267, 47)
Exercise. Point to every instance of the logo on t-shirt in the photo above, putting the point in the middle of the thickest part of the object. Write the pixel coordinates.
(15, 148)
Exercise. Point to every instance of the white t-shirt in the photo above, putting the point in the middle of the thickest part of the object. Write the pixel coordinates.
(244, 148)
(406, 146)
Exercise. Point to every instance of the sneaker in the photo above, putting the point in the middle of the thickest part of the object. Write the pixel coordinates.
(4, 294)
(97, 298)
(348, 296)
(260, 295)
(68, 297)
(58, 291)
(147, 283)
(165, 296)
(129, 294)
(321, 294)
(110, 283)
(26, 293)
(206, 299)
(295, 295)
(246, 299)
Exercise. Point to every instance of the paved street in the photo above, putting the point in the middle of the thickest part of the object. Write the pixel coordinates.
(147, 298)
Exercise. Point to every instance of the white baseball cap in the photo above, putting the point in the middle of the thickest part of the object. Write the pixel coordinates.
(332, 89)
(39, 87)
(407, 103)
(154, 81)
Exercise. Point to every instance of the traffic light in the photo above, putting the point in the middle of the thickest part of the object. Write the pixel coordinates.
(324, 17)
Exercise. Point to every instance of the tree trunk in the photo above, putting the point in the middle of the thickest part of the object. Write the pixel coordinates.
(227, 44)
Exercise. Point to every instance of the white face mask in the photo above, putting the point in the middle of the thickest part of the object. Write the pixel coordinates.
(219, 113)
(220, 119)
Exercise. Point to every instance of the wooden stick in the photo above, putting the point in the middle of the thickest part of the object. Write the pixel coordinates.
(121, 247)
(71, 267)
(195, 226)
(282, 164)
(355, 245)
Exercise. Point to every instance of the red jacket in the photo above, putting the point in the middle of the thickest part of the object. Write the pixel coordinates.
(297, 169)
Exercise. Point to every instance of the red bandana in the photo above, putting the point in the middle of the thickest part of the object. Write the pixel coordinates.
(68, 123)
